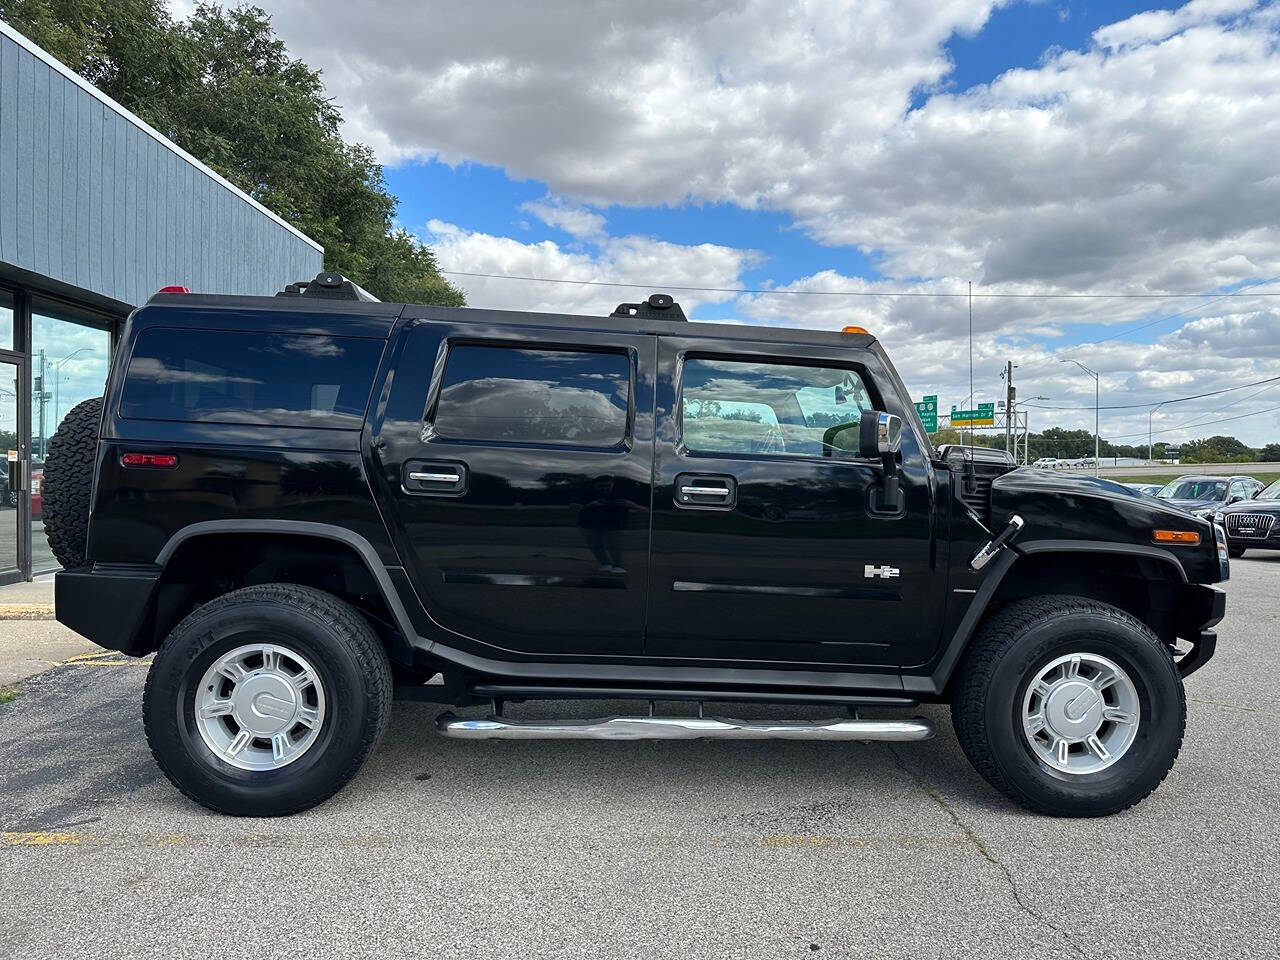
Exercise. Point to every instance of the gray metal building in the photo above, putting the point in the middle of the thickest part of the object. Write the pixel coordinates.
(97, 212)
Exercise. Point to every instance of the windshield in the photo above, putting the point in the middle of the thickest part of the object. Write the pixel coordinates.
(1272, 492)
(1194, 490)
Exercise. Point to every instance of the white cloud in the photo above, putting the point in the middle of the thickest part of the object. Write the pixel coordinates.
(631, 259)
(573, 219)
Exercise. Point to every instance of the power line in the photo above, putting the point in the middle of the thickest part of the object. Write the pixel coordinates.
(1133, 406)
(1188, 426)
(862, 293)
(1172, 316)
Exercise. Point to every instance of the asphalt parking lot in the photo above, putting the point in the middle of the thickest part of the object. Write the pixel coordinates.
(541, 849)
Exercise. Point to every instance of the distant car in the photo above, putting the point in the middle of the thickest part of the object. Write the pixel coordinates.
(1205, 496)
(1252, 524)
(1048, 463)
(1150, 489)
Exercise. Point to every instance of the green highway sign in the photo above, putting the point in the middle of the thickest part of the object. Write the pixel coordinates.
(983, 416)
(928, 410)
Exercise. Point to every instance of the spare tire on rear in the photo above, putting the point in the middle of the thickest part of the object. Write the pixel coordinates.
(68, 482)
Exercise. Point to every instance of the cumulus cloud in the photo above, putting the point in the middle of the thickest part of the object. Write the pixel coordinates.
(630, 259)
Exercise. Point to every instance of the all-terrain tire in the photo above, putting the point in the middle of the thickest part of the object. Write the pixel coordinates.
(68, 482)
(1011, 649)
(348, 658)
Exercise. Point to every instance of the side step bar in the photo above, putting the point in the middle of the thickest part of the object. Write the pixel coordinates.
(682, 728)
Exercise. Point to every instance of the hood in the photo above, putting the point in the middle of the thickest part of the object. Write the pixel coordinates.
(1254, 506)
(1060, 508)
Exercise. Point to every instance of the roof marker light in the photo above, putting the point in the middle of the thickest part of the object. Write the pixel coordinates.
(173, 288)
(856, 330)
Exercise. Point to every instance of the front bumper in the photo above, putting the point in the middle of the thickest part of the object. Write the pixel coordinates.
(1202, 608)
(112, 605)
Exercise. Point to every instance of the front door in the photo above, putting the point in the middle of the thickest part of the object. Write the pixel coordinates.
(522, 495)
(15, 473)
(768, 543)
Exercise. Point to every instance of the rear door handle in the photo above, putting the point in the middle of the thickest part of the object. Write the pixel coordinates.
(699, 491)
(434, 478)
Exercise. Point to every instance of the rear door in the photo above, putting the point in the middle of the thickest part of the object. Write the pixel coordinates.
(768, 545)
(517, 467)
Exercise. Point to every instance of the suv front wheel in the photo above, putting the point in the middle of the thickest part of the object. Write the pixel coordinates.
(267, 700)
(1069, 706)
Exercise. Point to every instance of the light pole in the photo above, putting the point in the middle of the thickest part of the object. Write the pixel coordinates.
(57, 379)
(1097, 393)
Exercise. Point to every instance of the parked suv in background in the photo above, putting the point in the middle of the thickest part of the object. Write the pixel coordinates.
(1254, 523)
(1205, 496)
(303, 503)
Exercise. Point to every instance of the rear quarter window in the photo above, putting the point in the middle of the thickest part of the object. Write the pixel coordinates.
(521, 395)
(269, 379)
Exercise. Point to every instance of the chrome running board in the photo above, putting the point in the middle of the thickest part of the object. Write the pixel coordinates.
(682, 728)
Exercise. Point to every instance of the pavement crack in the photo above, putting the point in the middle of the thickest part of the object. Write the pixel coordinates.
(985, 850)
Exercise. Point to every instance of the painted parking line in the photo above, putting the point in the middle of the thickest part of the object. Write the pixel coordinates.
(105, 658)
(40, 838)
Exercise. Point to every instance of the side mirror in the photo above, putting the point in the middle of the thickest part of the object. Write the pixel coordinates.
(879, 434)
(1234, 499)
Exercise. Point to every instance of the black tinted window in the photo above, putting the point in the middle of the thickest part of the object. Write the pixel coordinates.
(534, 396)
(271, 379)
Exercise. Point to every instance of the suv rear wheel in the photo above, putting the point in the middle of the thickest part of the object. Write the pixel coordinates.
(267, 700)
(1069, 707)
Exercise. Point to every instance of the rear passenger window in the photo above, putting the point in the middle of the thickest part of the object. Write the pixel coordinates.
(534, 396)
(740, 406)
(268, 379)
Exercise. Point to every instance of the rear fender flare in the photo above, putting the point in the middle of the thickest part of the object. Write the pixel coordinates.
(363, 548)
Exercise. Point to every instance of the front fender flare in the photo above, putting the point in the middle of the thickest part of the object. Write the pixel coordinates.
(935, 682)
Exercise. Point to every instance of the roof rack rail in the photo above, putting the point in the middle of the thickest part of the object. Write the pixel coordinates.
(328, 286)
(659, 306)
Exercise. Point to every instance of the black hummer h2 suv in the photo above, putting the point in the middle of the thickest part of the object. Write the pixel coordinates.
(305, 505)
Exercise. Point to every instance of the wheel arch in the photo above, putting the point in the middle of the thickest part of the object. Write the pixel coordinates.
(329, 557)
(1145, 581)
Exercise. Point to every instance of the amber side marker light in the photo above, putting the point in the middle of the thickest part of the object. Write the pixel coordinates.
(163, 461)
(856, 330)
(1188, 538)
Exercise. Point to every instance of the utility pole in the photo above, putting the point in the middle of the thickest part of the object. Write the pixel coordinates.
(1010, 395)
(41, 398)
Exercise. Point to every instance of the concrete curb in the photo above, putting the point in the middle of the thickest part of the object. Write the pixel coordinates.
(26, 611)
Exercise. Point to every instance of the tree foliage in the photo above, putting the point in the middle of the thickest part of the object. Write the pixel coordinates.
(223, 87)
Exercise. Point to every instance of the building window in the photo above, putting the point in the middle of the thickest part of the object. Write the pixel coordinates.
(751, 407)
(515, 395)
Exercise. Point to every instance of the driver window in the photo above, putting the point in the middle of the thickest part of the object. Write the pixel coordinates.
(740, 406)
(1238, 490)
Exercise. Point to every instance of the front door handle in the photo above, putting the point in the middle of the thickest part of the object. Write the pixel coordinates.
(434, 478)
(698, 491)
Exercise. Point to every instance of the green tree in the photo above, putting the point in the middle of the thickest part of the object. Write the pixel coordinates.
(223, 87)
(1270, 453)
(1216, 449)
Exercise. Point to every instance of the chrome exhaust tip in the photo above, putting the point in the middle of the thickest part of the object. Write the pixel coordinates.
(682, 728)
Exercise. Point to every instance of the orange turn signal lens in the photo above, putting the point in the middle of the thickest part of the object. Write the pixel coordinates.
(1187, 538)
(856, 330)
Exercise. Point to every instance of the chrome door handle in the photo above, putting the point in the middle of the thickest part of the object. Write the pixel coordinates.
(434, 477)
(704, 491)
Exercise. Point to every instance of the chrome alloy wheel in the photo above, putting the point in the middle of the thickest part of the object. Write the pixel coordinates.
(260, 706)
(1080, 714)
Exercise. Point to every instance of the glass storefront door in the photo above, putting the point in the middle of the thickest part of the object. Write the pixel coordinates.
(13, 475)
